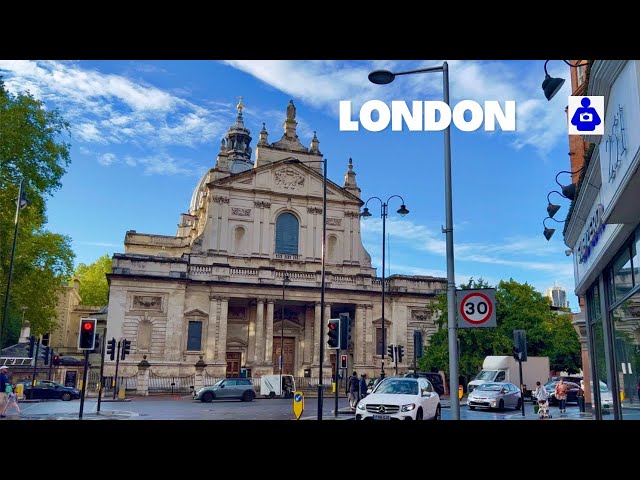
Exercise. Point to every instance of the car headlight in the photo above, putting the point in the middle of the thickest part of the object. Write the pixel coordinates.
(408, 407)
(362, 406)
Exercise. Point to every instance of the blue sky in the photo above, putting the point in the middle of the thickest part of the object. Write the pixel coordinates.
(144, 132)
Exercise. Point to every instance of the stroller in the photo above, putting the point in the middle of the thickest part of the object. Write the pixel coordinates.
(543, 409)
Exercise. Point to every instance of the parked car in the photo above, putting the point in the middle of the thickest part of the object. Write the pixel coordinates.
(227, 389)
(398, 398)
(434, 377)
(572, 393)
(498, 395)
(48, 390)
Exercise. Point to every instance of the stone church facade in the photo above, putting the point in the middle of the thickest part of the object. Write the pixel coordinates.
(215, 291)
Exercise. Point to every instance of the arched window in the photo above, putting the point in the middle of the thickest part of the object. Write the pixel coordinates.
(238, 240)
(287, 234)
(332, 249)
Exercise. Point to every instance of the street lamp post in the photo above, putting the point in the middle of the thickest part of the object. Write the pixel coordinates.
(21, 202)
(285, 280)
(382, 77)
(322, 275)
(383, 213)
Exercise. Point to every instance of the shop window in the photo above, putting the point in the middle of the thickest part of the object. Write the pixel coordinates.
(626, 318)
(622, 274)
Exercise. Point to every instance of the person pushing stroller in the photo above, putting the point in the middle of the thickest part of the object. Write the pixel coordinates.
(542, 397)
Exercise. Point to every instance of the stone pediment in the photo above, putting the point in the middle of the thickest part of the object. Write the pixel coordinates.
(285, 177)
(195, 313)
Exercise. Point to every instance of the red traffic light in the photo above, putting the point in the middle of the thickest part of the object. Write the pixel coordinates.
(87, 325)
(87, 334)
(332, 326)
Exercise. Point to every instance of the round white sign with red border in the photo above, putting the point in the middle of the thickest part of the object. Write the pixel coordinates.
(476, 308)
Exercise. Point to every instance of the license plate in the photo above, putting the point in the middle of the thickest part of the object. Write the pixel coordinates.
(382, 417)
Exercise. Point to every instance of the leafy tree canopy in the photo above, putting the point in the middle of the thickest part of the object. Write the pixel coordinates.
(94, 289)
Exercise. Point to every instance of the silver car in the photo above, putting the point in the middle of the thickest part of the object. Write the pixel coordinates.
(227, 389)
(498, 395)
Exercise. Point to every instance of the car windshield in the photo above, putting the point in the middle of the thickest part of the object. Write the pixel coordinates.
(402, 387)
(492, 387)
(486, 375)
(219, 382)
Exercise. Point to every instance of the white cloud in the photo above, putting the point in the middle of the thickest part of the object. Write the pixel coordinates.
(324, 83)
(106, 159)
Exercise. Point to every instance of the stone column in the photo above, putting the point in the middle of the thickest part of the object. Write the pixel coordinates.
(369, 333)
(259, 355)
(222, 331)
(327, 316)
(212, 329)
(199, 380)
(308, 336)
(268, 344)
(142, 383)
(316, 335)
(359, 333)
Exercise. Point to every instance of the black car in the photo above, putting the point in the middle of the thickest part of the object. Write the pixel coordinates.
(434, 377)
(47, 390)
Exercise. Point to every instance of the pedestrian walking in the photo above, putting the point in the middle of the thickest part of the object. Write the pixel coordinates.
(363, 386)
(12, 400)
(561, 395)
(4, 381)
(354, 390)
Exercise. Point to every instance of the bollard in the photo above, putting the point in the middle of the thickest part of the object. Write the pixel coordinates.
(20, 390)
(121, 393)
(460, 392)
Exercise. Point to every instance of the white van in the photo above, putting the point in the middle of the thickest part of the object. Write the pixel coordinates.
(270, 386)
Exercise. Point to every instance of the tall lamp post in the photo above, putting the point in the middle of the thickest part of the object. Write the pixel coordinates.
(383, 213)
(21, 202)
(285, 280)
(382, 77)
(322, 281)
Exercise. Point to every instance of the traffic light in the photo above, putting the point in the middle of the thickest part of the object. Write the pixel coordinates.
(343, 361)
(390, 352)
(126, 348)
(520, 345)
(87, 335)
(333, 333)
(400, 352)
(32, 344)
(46, 355)
(97, 346)
(55, 360)
(345, 331)
(111, 349)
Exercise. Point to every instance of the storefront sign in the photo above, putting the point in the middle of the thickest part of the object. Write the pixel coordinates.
(591, 235)
(615, 144)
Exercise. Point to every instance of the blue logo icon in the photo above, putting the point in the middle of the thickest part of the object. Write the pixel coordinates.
(586, 118)
(298, 398)
(586, 115)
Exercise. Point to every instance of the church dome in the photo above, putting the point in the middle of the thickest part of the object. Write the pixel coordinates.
(196, 197)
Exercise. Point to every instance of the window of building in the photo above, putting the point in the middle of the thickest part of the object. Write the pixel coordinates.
(144, 335)
(626, 321)
(379, 340)
(287, 234)
(621, 274)
(593, 303)
(194, 336)
(581, 71)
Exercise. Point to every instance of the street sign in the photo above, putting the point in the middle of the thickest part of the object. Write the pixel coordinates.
(298, 404)
(476, 308)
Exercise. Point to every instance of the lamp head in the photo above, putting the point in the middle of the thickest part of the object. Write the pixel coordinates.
(403, 210)
(551, 86)
(365, 213)
(552, 209)
(548, 233)
(569, 191)
(381, 77)
(286, 279)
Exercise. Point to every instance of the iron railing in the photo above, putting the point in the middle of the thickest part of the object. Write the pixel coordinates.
(162, 384)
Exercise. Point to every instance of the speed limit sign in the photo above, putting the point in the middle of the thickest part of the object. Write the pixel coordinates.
(476, 308)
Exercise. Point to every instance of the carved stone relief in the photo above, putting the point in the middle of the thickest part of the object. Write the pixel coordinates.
(240, 212)
(147, 302)
(289, 179)
(336, 222)
(314, 210)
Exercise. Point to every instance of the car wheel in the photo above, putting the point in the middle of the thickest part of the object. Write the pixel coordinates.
(419, 414)
(208, 397)
(66, 396)
(272, 394)
(519, 404)
(438, 415)
(501, 405)
(247, 396)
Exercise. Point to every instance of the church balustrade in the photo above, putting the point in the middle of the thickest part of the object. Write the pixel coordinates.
(243, 272)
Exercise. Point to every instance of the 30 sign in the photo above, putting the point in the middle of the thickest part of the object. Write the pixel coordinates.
(476, 308)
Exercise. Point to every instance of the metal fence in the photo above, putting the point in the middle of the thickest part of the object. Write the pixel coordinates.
(161, 384)
(208, 380)
(129, 383)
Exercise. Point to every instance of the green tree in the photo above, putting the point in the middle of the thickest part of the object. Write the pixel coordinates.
(518, 307)
(94, 289)
(32, 147)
